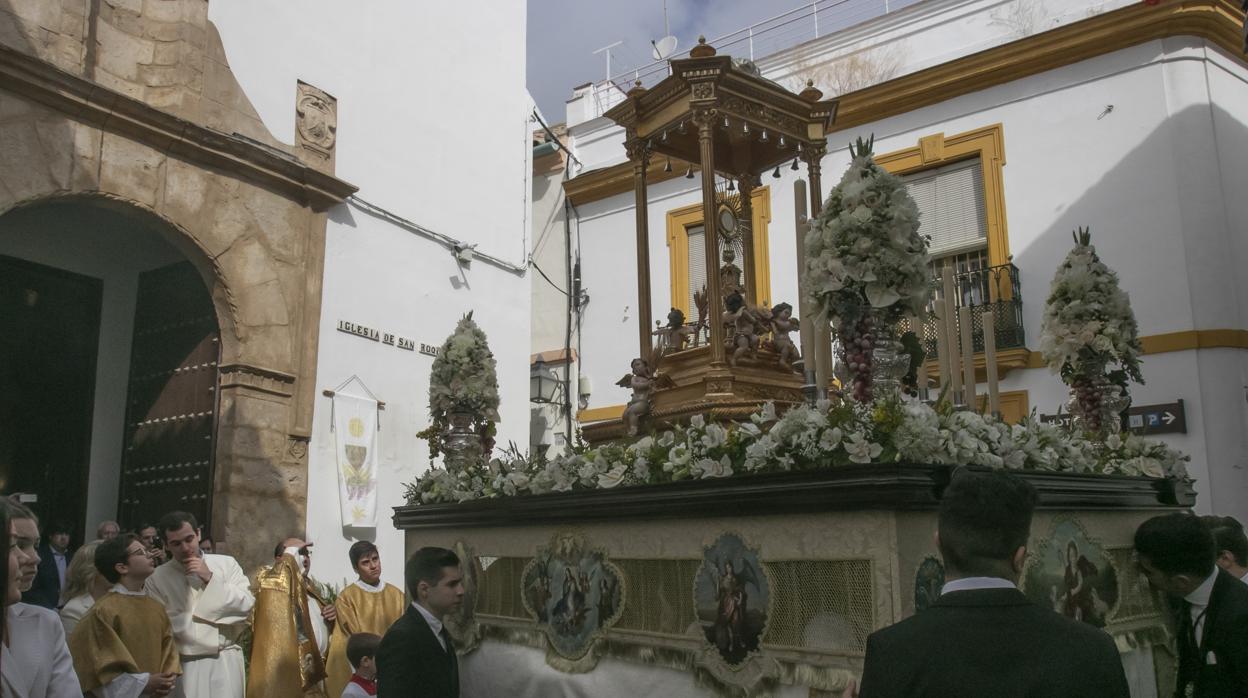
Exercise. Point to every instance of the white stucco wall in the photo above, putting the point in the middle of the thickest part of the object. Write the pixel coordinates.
(105, 246)
(433, 126)
(1150, 177)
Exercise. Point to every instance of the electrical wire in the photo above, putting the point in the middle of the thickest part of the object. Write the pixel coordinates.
(552, 283)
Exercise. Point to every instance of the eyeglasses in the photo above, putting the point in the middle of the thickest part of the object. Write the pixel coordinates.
(141, 551)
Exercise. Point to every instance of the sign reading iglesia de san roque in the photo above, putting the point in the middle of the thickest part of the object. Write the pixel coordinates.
(389, 338)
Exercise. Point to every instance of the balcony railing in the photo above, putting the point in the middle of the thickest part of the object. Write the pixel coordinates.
(990, 288)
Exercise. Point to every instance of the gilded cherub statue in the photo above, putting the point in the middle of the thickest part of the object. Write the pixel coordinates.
(673, 335)
(782, 323)
(744, 328)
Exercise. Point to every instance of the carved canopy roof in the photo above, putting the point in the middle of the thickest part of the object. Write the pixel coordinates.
(742, 107)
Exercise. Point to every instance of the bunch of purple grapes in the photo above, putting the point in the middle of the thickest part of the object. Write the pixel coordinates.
(1088, 393)
(857, 342)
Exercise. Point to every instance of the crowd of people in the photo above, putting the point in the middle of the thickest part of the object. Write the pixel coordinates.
(157, 612)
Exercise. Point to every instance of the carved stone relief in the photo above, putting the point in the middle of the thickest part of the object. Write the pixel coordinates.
(316, 122)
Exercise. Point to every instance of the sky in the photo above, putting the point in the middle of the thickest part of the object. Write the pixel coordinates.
(563, 34)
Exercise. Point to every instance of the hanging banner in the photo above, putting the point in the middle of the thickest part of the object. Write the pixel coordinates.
(355, 429)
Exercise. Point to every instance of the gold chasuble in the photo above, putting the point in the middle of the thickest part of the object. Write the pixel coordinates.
(285, 661)
(361, 609)
(122, 634)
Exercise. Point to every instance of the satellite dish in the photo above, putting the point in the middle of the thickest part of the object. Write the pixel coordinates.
(664, 48)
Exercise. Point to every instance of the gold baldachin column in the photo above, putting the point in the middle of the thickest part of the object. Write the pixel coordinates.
(704, 119)
(639, 153)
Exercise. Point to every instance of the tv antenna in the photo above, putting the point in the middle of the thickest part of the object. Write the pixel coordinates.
(608, 50)
(665, 47)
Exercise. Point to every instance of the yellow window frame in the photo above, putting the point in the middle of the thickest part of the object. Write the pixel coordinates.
(678, 223)
(937, 150)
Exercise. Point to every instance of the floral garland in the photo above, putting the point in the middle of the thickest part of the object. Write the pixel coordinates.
(462, 379)
(866, 263)
(805, 438)
(1088, 326)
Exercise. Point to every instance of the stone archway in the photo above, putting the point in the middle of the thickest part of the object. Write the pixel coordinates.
(247, 211)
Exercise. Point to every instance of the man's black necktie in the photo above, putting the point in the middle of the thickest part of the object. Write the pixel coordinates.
(1189, 646)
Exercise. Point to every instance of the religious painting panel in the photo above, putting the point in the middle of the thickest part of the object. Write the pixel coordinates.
(732, 596)
(929, 580)
(574, 593)
(1073, 574)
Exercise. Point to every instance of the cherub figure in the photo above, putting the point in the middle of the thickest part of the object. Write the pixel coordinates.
(782, 323)
(641, 381)
(745, 336)
(674, 334)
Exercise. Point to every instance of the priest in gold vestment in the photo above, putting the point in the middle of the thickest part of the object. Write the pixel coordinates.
(289, 630)
(123, 646)
(366, 606)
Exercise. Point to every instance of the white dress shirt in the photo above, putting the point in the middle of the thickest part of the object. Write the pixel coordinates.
(434, 624)
(61, 562)
(1199, 600)
(972, 583)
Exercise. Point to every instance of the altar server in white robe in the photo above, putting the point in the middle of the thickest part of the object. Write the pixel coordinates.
(34, 660)
(208, 599)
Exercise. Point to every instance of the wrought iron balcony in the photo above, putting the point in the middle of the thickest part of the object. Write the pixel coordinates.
(988, 288)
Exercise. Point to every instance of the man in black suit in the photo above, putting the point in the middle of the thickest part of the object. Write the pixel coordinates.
(982, 636)
(417, 658)
(1176, 552)
(54, 557)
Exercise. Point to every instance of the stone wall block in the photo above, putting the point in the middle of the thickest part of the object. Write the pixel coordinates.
(22, 161)
(13, 32)
(165, 10)
(131, 170)
(86, 143)
(55, 139)
(121, 53)
(128, 88)
(166, 53)
(11, 106)
(247, 262)
(265, 345)
(187, 189)
(162, 31)
(262, 305)
(39, 13)
(135, 6)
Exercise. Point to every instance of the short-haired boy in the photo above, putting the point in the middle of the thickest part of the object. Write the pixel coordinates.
(362, 653)
(125, 642)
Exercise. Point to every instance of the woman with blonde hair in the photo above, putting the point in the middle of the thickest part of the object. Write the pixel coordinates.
(83, 585)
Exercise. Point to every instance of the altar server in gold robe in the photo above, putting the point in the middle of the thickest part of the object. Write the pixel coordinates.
(123, 646)
(290, 627)
(208, 598)
(367, 606)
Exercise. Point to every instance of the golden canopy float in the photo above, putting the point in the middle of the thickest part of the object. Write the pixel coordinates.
(720, 120)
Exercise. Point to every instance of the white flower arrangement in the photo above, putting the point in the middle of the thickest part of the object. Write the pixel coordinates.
(864, 254)
(1089, 335)
(462, 379)
(805, 438)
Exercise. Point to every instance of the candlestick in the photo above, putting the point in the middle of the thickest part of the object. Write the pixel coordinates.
(805, 312)
(990, 362)
(951, 334)
(968, 355)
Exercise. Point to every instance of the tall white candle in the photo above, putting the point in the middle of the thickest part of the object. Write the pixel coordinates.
(942, 346)
(951, 335)
(990, 362)
(968, 355)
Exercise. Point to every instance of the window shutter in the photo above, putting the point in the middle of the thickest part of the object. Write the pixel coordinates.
(951, 206)
(697, 265)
